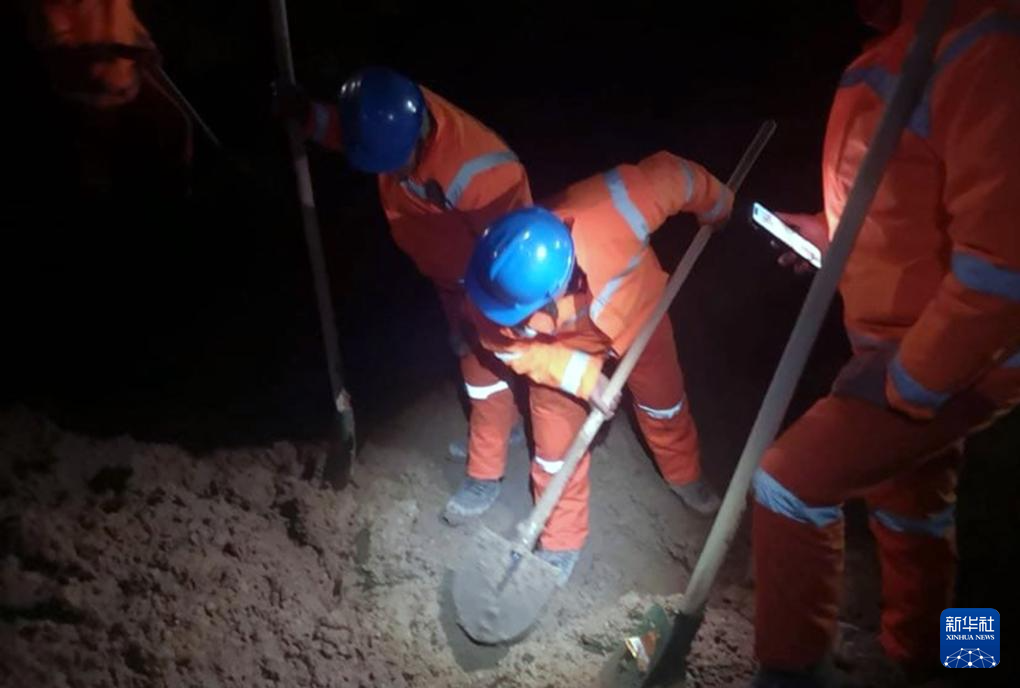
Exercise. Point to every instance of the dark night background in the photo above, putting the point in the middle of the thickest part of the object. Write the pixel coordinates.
(193, 320)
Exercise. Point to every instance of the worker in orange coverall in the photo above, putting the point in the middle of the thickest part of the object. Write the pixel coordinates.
(555, 293)
(99, 57)
(443, 177)
(932, 308)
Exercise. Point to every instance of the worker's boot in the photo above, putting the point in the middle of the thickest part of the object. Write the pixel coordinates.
(697, 496)
(459, 449)
(563, 560)
(473, 498)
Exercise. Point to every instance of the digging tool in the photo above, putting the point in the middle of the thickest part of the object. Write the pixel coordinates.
(669, 668)
(502, 587)
(340, 458)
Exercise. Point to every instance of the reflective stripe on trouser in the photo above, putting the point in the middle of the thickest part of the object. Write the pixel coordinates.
(844, 448)
(912, 519)
(493, 413)
(555, 419)
(660, 404)
(656, 384)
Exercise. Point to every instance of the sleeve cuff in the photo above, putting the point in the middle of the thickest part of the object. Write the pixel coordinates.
(720, 210)
(905, 394)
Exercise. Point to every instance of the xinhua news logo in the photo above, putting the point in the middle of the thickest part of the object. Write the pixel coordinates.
(970, 638)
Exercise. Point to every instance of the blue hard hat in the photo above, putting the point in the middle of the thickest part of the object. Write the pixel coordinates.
(381, 115)
(521, 263)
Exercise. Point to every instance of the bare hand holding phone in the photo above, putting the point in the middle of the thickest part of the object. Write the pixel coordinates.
(813, 228)
(806, 236)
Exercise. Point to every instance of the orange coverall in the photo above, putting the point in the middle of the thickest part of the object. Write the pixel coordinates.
(933, 287)
(612, 217)
(93, 48)
(97, 52)
(465, 178)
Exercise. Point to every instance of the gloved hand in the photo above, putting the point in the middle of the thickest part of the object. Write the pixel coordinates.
(812, 228)
(598, 400)
(290, 101)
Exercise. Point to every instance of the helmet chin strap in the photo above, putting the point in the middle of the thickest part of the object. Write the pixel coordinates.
(577, 281)
(423, 137)
(551, 310)
(427, 127)
(573, 285)
(522, 329)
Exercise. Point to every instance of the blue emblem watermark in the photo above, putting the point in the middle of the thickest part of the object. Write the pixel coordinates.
(970, 638)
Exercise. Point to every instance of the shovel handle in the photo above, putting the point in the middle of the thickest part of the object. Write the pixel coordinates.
(344, 453)
(529, 530)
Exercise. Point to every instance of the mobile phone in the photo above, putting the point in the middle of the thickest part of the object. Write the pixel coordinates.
(761, 216)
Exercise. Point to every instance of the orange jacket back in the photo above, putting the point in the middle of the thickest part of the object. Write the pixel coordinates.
(466, 177)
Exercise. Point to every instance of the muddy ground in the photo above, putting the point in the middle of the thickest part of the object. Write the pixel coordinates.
(134, 564)
(200, 556)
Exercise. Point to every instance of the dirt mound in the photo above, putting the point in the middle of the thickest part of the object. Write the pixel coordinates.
(132, 564)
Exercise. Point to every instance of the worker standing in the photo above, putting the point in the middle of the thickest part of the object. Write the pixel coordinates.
(932, 307)
(100, 57)
(443, 177)
(556, 292)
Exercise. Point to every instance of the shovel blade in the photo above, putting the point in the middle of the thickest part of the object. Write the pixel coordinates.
(341, 453)
(498, 593)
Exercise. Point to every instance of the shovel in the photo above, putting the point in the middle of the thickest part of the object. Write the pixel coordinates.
(335, 472)
(502, 587)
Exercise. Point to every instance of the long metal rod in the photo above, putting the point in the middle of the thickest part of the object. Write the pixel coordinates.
(530, 529)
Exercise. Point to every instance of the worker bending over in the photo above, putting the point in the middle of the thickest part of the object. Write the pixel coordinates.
(443, 178)
(556, 292)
